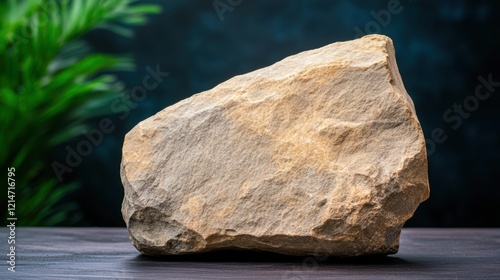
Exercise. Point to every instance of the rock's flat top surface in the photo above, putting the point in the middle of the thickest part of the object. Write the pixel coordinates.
(321, 152)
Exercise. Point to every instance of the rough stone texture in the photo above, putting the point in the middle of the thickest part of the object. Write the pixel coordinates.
(320, 153)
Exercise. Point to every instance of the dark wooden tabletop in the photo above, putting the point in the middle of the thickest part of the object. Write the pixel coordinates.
(106, 253)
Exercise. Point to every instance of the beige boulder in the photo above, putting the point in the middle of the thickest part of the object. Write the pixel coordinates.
(320, 153)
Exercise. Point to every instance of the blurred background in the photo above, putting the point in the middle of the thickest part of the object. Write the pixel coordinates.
(446, 51)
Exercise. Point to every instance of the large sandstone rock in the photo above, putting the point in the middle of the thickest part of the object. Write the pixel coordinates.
(319, 153)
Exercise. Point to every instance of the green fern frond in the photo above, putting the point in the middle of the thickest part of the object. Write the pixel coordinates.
(50, 84)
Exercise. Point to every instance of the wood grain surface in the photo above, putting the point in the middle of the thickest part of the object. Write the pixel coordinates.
(106, 253)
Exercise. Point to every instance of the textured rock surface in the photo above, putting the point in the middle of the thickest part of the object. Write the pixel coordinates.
(321, 152)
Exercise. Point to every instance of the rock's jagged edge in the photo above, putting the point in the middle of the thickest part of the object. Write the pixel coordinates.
(153, 221)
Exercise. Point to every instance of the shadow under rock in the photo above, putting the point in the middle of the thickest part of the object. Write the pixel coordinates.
(240, 256)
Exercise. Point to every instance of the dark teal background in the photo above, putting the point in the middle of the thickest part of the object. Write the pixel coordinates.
(441, 46)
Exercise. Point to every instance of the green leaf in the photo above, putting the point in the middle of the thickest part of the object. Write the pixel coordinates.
(50, 85)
